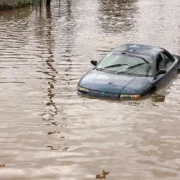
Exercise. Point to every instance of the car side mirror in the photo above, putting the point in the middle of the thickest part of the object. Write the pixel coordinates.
(161, 71)
(94, 62)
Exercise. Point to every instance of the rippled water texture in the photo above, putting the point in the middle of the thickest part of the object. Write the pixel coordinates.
(47, 131)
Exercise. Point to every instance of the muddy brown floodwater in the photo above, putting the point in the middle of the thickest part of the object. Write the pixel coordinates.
(47, 131)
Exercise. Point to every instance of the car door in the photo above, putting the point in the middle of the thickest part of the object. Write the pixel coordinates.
(164, 62)
(170, 65)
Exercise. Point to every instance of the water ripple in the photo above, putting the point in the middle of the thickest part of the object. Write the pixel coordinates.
(48, 131)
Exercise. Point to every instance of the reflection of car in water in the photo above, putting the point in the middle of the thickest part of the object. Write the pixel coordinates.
(130, 71)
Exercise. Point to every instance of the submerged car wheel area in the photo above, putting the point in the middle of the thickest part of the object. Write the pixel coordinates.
(130, 72)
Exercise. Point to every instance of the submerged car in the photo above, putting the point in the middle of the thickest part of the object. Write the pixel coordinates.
(130, 71)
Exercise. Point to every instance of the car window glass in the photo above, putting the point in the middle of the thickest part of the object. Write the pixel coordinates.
(159, 63)
(118, 62)
(167, 62)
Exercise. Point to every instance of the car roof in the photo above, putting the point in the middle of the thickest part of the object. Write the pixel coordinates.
(145, 51)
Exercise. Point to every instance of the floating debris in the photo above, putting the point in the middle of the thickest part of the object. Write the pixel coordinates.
(53, 132)
(103, 175)
(52, 148)
(2, 165)
(66, 148)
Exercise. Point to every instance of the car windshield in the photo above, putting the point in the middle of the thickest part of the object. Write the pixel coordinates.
(125, 63)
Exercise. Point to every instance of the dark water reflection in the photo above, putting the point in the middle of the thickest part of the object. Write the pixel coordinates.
(50, 71)
(47, 131)
(117, 16)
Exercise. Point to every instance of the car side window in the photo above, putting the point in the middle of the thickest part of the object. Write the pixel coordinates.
(167, 61)
(159, 63)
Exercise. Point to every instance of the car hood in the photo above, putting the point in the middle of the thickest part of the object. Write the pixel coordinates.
(107, 82)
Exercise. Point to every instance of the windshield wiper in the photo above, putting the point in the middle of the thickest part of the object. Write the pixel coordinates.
(136, 65)
(129, 68)
(114, 65)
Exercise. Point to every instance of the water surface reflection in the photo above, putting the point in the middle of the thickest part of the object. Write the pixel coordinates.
(48, 131)
(117, 16)
(50, 70)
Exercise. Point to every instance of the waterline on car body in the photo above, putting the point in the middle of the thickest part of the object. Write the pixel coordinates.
(95, 93)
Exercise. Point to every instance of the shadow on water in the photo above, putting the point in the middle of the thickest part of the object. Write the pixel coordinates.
(116, 16)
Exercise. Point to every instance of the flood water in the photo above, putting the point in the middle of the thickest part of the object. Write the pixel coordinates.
(47, 131)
